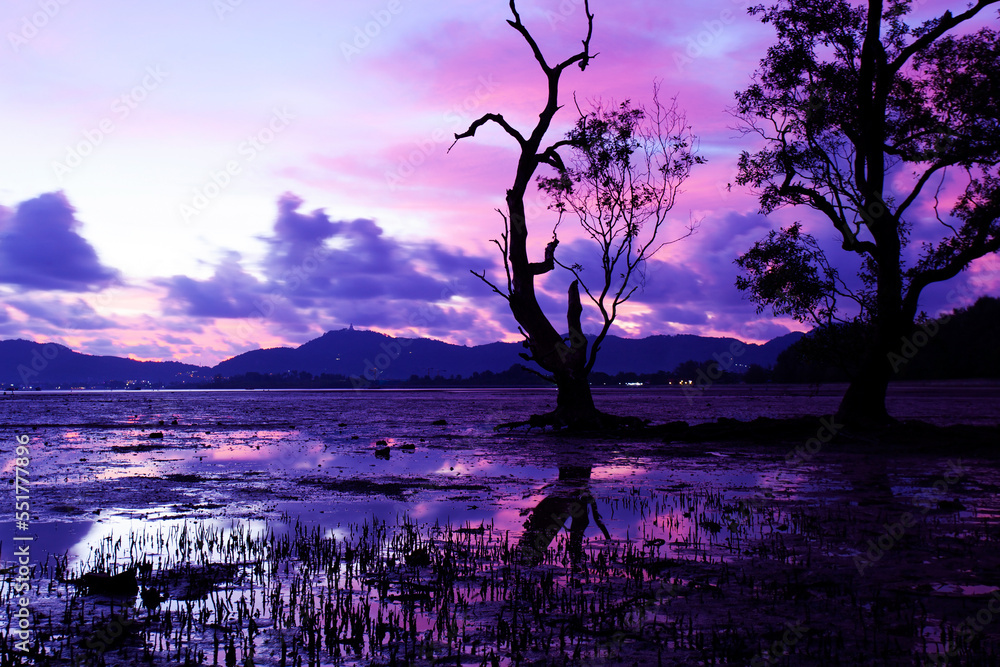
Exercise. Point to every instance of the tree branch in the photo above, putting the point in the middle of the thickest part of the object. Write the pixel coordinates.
(538, 268)
(944, 24)
(479, 122)
(517, 25)
(946, 272)
(552, 158)
(482, 276)
(820, 203)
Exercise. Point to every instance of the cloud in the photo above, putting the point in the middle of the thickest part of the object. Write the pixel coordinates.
(8, 325)
(40, 248)
(323, 272)
(230, 292)
(148, 350)
(312, 257)
(65, 315)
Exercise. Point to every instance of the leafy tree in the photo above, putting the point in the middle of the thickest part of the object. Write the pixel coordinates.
(964, 346)
(757, 374)
(625, 168)
(889, 131)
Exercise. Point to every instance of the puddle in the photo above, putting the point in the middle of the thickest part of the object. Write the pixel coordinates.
(346, 528)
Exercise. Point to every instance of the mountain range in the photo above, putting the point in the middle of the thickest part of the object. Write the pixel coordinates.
(359, 353)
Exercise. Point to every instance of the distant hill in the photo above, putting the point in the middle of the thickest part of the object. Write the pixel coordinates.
(24, 363)
(357, 353)
(958, 345)
(350, 352)
(965, 346)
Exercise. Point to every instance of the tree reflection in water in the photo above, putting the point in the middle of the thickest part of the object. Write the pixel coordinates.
(570, 499)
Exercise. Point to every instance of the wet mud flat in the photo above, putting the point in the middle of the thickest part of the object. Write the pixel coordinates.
(316, 528)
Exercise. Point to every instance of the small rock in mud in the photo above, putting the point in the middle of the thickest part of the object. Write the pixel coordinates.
(440, 422)
(156, 434)
(101, 583)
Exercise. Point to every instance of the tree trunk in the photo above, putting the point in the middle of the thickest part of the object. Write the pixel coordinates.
(565, 360)
(863, 405)
(575, 404)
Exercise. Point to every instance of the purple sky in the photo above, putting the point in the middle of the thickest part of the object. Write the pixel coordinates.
(193, 179)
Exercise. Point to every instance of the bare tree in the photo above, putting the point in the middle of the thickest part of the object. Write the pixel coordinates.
(626, 168)
(623, 176)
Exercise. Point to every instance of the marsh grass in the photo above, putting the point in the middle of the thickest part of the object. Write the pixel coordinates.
(687, 578)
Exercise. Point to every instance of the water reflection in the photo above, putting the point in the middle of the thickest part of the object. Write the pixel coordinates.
(570, 498)
(736, 526)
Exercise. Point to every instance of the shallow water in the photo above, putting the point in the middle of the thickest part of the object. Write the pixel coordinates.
(260, 461)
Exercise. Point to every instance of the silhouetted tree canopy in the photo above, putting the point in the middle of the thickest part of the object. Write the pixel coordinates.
(870, 122)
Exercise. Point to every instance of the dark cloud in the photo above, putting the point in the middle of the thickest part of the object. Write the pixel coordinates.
(682, 315)
(115, 348)
(687, 287)
(667, 283)
(183, 324)
(40, 248)
(297, 235)
(335, 272)
(64, 315)
(147, 351)
(230, 292)
(311, 257)
(320, 273)
(729, 233)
